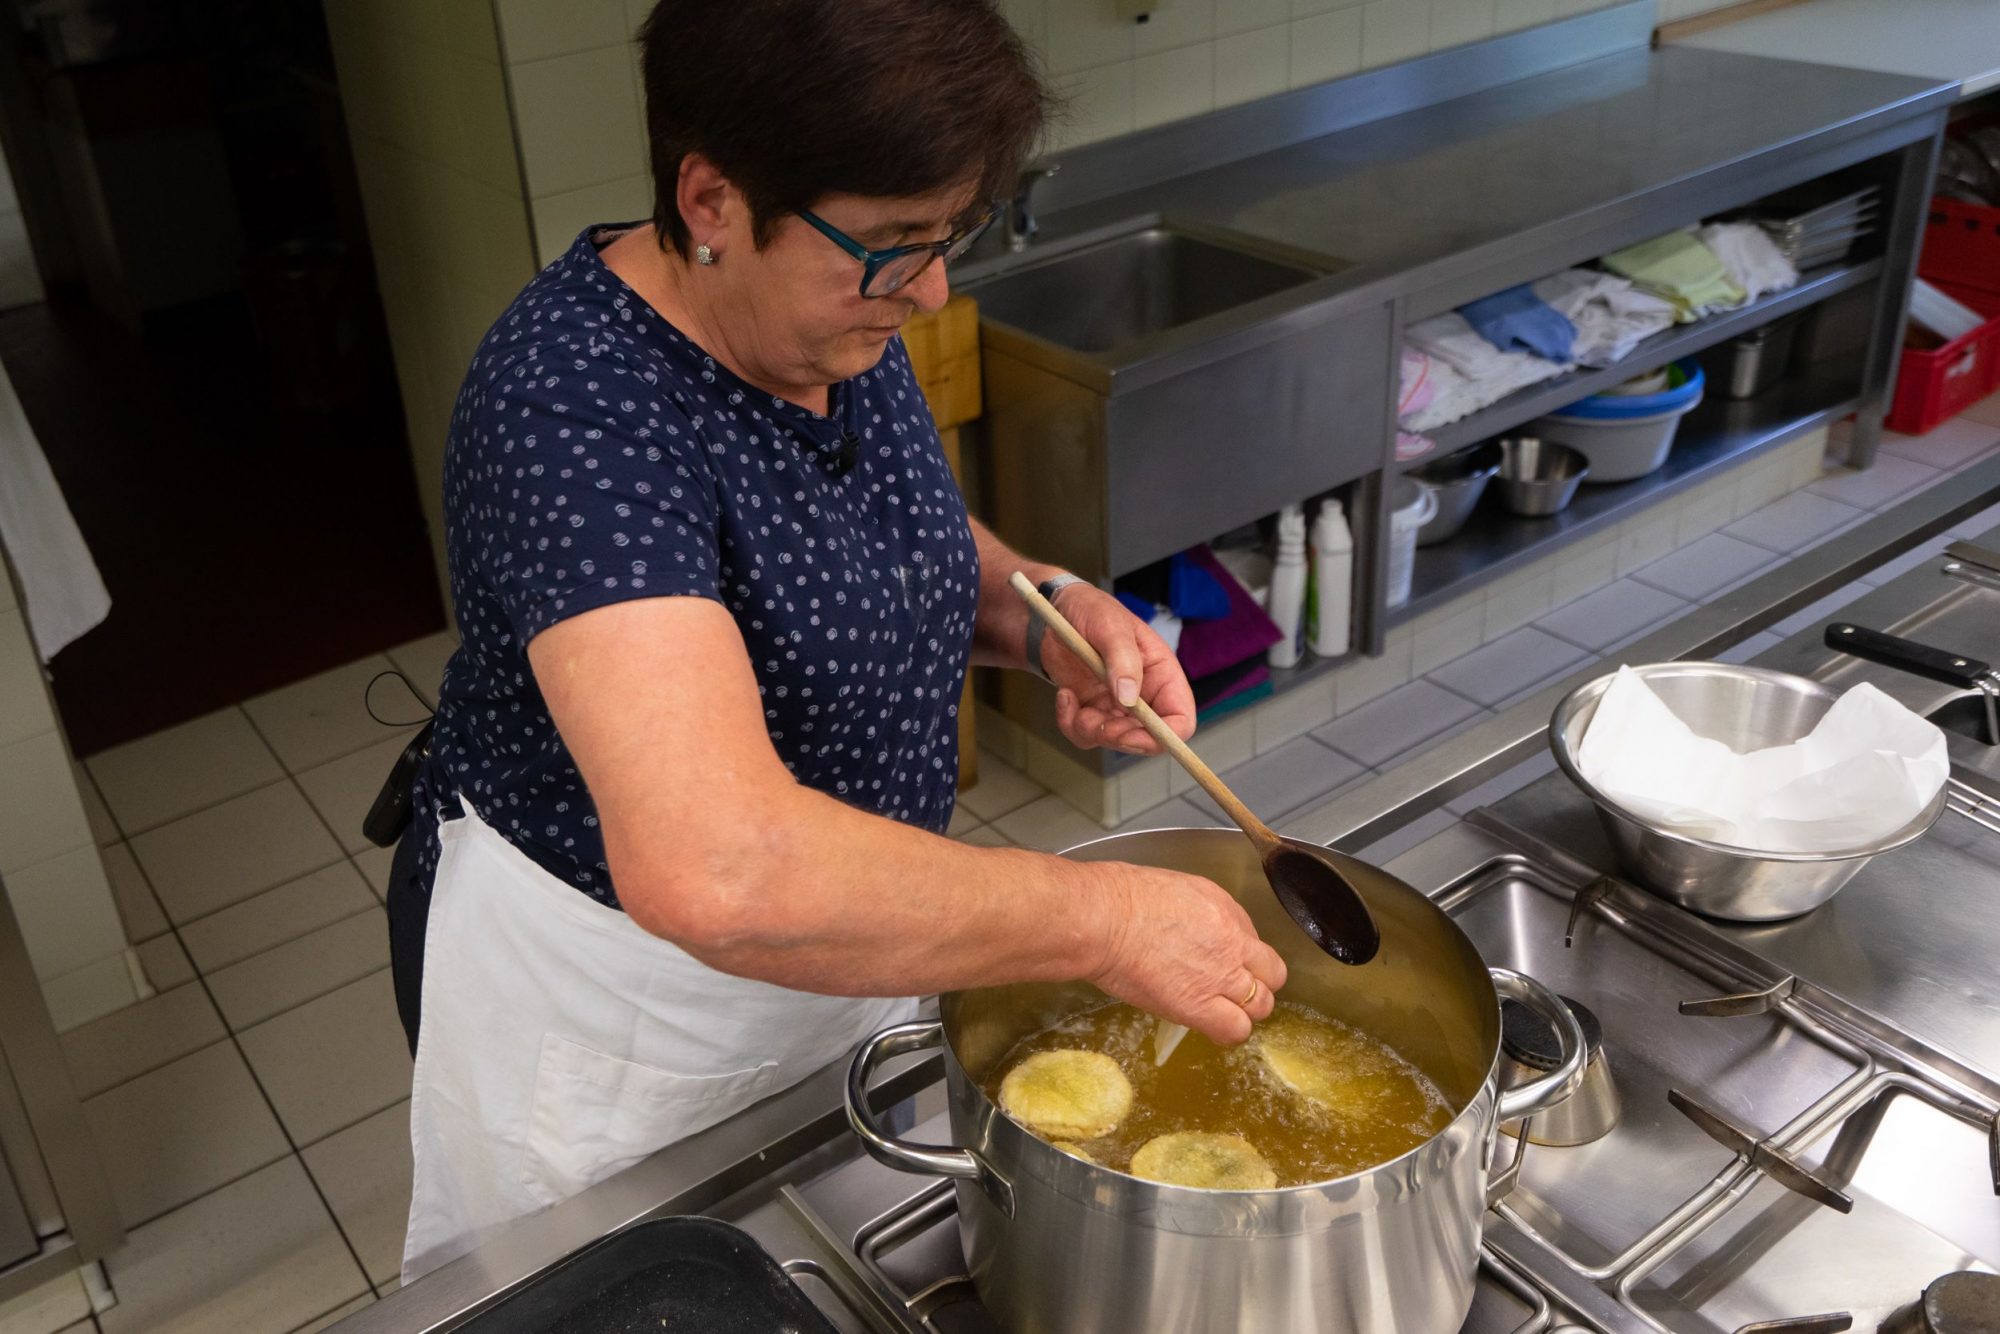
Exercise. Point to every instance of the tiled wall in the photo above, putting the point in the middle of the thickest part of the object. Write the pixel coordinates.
(20, 282)
(488, 133)
(1193, 56)
(572, 70)
(426, 102)
(48, 856)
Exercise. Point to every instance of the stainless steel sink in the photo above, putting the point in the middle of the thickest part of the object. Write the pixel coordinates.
(1121, 356)
(1108, 296)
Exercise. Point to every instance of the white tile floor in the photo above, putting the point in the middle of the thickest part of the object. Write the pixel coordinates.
(253, 1114)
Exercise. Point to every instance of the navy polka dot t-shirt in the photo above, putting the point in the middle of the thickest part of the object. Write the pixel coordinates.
(597, 456)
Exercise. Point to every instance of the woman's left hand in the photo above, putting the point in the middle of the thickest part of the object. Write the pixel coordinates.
(1141, 666)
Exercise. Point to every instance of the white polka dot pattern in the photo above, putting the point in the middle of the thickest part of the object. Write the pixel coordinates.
(597, 456)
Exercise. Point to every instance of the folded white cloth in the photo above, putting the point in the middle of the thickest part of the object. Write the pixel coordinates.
(1467, 372)
(1611, 315)
(1869, 768)
(1751, 256)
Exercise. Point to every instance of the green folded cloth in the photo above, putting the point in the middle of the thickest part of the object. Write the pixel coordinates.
(1678, 268)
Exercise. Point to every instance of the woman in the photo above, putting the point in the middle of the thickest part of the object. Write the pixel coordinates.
(678, 839)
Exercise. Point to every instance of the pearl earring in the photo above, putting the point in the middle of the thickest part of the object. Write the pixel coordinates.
(703, 255)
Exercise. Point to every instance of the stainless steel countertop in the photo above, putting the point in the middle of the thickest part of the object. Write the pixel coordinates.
(1940, 39)
(1545, 170)
(1912, 933)
(1446, 182)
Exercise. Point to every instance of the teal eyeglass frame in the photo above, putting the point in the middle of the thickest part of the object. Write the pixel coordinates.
(874, 262)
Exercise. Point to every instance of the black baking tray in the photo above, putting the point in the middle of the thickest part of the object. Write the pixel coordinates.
(671, 1276)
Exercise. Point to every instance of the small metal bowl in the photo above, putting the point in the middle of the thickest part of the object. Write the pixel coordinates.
(1459, 479)
(1539, 477)
(1748, 708)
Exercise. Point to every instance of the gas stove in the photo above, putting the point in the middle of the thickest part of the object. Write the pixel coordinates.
(1781, 1158)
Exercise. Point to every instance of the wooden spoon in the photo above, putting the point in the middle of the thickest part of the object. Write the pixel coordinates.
(1325, 904)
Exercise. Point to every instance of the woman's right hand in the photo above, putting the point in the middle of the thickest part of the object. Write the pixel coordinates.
(1181, 948)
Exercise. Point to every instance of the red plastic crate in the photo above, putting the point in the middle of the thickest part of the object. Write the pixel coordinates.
(1962, 245)
(1936, 385)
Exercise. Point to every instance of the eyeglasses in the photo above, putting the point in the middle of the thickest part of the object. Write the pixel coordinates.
(886, 271)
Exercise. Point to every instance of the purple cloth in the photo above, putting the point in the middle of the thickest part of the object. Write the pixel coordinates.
(1210, 646)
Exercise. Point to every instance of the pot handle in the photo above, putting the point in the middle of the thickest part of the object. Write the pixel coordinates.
(1538, 1095)
(925, 1160)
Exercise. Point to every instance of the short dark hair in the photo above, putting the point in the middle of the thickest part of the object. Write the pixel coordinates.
(795, 100)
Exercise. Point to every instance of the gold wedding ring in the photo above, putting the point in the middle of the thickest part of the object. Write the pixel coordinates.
(1250, 999)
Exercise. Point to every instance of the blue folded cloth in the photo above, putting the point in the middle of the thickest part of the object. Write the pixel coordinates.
(1138, 606)
(1518, 320)
(1193, 593)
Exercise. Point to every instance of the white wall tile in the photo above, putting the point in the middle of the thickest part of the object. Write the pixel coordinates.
(24, 700)
(41, 813)
(1325, 46)
(1173, 85)
(1450, 632)
(1512, 15)
(1252, 64)
(1645, 540)
(1174, 23)
(1086, 33)
(1518, 600)
(1393, 30)
(1143, 786)
(559, 217)
(1030, 18)
(1100, 104)
(538, 29)
(1221, 745)
(1455, 22)
(1585, 568)
(65, 910)
(1242, 15)
(577, 118)
(1371, 678)
(1295, 712)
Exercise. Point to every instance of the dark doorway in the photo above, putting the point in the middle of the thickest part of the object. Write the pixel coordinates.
(210, 376)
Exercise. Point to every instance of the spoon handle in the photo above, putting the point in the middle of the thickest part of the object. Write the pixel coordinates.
(1155, 726)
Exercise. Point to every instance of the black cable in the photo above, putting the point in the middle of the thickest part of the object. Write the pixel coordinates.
(408, 685)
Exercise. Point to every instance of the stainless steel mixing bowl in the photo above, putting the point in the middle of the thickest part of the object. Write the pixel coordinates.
(1747, 708)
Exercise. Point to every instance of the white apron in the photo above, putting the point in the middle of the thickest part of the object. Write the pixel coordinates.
(561, 1043)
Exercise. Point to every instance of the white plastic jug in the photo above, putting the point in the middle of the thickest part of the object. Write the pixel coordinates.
(1415, 506)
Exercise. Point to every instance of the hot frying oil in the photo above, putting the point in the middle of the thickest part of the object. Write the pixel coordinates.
(1317, 1098)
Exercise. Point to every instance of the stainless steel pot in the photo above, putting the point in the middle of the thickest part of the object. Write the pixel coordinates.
(1457, 480)
(1056, 1244)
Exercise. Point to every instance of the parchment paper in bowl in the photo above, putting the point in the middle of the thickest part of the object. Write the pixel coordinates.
(1869, 768)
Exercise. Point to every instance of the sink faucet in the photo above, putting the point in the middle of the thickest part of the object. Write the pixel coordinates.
(1021, 226)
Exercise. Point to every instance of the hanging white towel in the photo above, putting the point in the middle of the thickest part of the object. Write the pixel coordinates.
(62, 592)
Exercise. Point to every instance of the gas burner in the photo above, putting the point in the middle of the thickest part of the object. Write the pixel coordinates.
(1530, 1043)
(1963, 1303)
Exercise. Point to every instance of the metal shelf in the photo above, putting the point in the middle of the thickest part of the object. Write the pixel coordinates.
(1715, 436)
(1669, 345)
